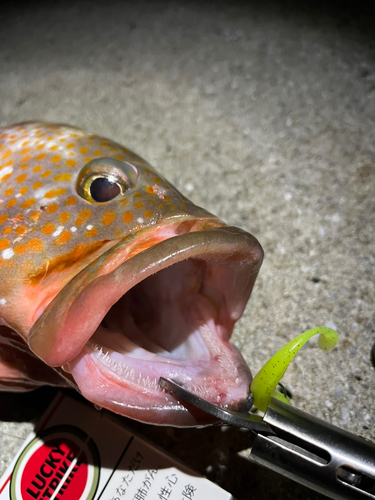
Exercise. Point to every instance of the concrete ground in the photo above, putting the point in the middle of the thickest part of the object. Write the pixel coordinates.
(263, 113)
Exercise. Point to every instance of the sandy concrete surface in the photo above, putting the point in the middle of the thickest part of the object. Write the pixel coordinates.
(265, 115)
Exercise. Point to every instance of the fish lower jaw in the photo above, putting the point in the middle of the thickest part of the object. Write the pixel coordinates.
(122, 381)
(197, 376)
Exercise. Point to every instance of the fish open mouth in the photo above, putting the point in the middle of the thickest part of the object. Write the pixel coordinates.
(163, 302)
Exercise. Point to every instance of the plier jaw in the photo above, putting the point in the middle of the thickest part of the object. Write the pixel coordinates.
(304, 448)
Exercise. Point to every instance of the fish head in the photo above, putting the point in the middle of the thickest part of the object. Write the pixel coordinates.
(114, 278)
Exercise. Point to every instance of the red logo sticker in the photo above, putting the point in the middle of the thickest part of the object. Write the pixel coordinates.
(60, 463)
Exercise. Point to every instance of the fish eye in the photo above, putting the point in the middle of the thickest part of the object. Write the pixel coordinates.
(104, 179)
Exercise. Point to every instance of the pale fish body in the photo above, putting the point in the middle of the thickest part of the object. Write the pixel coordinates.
(110, 278)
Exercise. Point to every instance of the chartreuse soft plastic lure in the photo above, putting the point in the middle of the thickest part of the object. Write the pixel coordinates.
(263, 386)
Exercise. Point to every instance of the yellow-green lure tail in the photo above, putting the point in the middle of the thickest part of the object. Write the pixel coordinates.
(263, 386)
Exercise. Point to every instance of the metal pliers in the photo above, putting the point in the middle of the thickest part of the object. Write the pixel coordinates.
(299, 446)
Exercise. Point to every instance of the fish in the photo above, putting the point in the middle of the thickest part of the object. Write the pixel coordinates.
(110, 278)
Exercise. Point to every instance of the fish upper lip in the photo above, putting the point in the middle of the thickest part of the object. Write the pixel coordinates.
(228, 245)
(62, 335)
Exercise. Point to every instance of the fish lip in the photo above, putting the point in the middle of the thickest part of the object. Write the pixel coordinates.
(228, 246)
(224, 244)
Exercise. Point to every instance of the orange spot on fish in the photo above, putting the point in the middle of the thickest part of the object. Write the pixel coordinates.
(16, 219)
(83, 150)
(53, 148)
(7, 154)
(41, 157)
(7, 164)
(108, 217)
(63, 238)
(21, 230)
(87, 160)
(55, 192)
(123, 202)
(21, 178)
(71, 201)
(64, 217)
(6, 263)
(23, 190)
(70, 145)
(25, 151)
(24, 167)
(51, 209)
(62, 139)
(83, 216)
(127, 217)
(8, 192)
(37, 185)
(91, 232)
(138, 205)
(41, 146)
(4, 243)
(63, 177)
(98, 153)
(70, 163)
(45, 174)
(35, 216)
(48, 228)
(34, 245)
(28, 203)
(119, 157)
(157, 179)
(147, 214)
(55, 159)
(11, 203)
(7, 230)
(137, 194)
(5, 177)
(38, 168)
(150, 190)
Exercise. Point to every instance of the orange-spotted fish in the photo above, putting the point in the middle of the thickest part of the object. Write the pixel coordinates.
(110, 278)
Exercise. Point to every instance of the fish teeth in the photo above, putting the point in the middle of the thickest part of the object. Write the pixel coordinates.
(123, 370)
